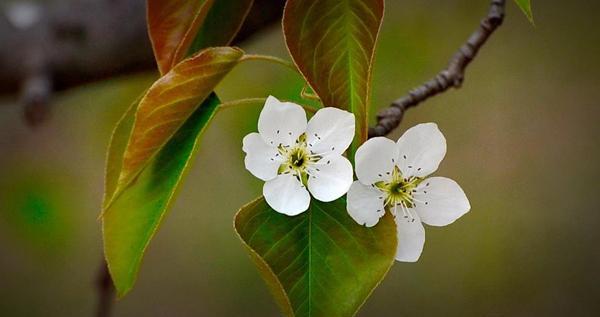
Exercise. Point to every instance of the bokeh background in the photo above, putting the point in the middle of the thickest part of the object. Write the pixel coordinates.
(523, 141)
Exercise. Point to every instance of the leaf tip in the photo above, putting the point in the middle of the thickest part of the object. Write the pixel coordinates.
(525, 6)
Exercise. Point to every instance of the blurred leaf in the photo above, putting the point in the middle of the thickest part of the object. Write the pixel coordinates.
(166, 105)
(525, 6)
(132, 219)
(333, 44)
(35, 207)
(319, 263)
(174, 25)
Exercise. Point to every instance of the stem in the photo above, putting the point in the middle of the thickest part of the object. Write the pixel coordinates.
(241, 102)
(268, 58)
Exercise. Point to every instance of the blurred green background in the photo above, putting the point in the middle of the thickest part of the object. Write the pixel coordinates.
(523, 141)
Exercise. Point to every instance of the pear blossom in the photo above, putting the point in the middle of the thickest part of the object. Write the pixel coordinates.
(295, 157)
(392, 176)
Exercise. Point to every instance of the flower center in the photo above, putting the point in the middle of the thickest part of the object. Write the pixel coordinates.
(399, 190)
(297, 159)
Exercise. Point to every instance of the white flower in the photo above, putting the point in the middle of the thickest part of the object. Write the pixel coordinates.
(291, 155)
(391, 176)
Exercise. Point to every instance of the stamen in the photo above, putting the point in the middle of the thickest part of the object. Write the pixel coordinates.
(407, 214)
(319, 155)
(417, 200)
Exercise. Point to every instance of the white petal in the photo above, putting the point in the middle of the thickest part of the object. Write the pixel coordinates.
(422, 148)
(365, 204)
(375, 160)
(411, 238)
(262, 160)
(286, 195)
(330, 178)
(330, 130)
(442, 201)
(281, 122)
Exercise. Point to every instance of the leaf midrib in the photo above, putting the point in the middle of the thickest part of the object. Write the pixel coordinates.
(312, 209)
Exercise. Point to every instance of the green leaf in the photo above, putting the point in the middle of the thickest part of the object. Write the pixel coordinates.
(525, 6)
(133, 217)
(175, 25)
(321, 262)
(333, 44)
(168, 103)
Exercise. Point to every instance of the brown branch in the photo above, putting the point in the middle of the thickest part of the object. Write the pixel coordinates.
(451, 77)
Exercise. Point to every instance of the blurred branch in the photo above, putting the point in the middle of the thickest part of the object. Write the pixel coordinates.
(106, 291)
(56, 45)
(451, 77)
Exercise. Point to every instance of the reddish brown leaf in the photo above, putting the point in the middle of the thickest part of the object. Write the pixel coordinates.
(179, 28)
(333, 43)
(168, 24)
(169, 102)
